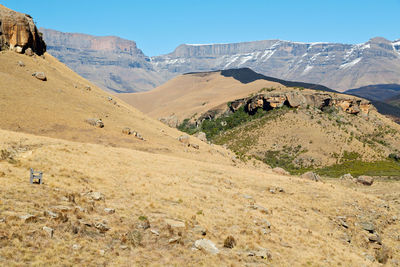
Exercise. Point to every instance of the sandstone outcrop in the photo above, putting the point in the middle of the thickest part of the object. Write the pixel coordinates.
(268, 101)
(19, 33)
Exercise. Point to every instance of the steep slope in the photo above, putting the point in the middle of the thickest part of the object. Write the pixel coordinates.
(60, 106)
(112, 63)
(290, 127)
(274, 220)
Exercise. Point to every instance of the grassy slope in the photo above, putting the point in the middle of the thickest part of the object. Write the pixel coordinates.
(304, 231)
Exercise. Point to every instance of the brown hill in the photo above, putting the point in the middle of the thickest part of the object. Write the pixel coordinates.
(324, 129)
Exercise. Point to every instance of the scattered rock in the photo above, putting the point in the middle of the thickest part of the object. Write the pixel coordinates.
(96, 196)
(40, 76)
(280, 171)
(382, 255)
(296, 99)
(76, 247)
(346, 176)
(365, 180)
(51, 214)
(367, 226)
(311, 176)
(49, 231)
(102, 252)
(109, 98)
(109, 210)
(343, 223)
(2, 220)
(202, 136)
(88, 88)
(200, 230)
(230, 242)
(126, 131)
(260, 208)
(184, 139)
(29, 52)
(195, 146)
(262, 253)
(247, 197)
(101, 227)
(28, 218)
(95, 122)
(61, 208)
(175, 240)
(144, 223)
(171, 121)
(175, 224)
(21, 63)
(18, 49)
(374, 238)
(154, 232)
(206, 245)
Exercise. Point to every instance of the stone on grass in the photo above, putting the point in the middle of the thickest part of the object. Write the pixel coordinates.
(29, 52)
(40, 76)
(21, 63)
(311, 176)
(95, 122)
(230, 242)
(96, 196)
(346, 176)
(365, 180)
(184, 139)
(195, 146)
(51, 214)
(109, 210)
(173, 224)
(126, 131)
(76, 247)
(367, 226)
(206, 246)
(280, 171)
(49, 231)
(102, 227)
(28, 218)
(18, 49)
(202, 136)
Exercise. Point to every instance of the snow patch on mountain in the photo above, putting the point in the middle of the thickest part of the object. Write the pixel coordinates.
(350, 64)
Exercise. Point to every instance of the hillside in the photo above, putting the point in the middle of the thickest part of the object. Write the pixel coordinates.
(334, 65)
(379, 92)
(257, 119)
(113, 199)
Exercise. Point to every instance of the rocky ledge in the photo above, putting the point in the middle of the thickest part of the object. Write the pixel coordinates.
(272, 100)
(19, 33)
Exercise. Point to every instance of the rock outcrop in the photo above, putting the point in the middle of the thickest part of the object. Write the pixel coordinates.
(272, 100)
(19, 33)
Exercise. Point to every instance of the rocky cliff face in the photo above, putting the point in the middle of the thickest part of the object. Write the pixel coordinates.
(338, 66)
(118, 65)
(19, 33)
(113, 63)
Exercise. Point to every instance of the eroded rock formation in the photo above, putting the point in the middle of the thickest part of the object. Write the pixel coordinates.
(19, 33)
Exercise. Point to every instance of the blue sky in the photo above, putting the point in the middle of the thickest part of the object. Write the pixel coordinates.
(158, 26)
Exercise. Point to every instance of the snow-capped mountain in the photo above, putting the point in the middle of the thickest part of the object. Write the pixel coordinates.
(338, 66)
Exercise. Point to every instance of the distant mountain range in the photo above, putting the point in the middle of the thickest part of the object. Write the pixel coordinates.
(118, 65)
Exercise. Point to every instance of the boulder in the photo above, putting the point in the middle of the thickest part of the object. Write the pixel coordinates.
(29, 52)
(230, 242)
(126, 131)
(202, 136)
(346, 176)
(276, 101)
(365, 180)
(96, 196)
(195, 146)
(296, 99)
(109, 210)
(49, 231)
(173, 224)
(311, 176)
(18, 32)
(206, 246)
(184, 139)
(280, 171)
(95, 122)
(171, 121)
(40, 76)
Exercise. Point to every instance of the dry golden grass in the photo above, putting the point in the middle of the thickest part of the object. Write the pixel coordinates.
(304, 229)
